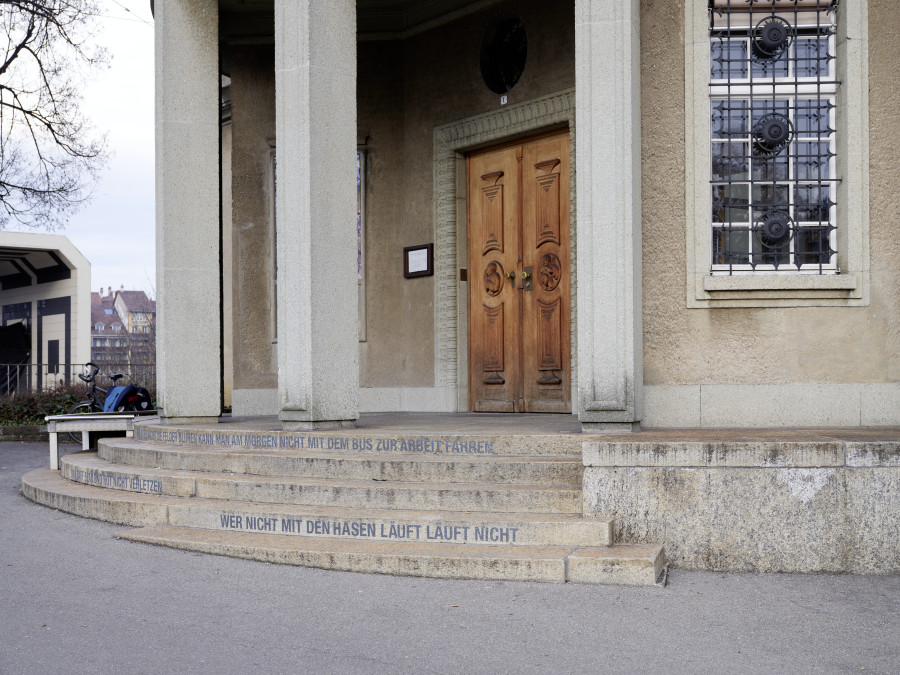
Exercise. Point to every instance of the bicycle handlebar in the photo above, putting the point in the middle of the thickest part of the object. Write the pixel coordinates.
(89, 378)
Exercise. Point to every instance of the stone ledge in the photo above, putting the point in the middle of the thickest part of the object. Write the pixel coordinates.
(29, 433)
(713, 454)
(874, 454)
(742, 454)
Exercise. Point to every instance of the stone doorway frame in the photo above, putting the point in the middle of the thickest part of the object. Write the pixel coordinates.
(451, 143)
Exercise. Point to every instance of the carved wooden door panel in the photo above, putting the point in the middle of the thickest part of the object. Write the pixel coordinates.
(518, 277)
(494, 202)
(546, 310)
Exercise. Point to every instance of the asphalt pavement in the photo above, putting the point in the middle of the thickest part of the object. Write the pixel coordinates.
(75, 600)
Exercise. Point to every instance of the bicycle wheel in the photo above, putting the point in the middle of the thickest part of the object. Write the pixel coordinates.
(82, 407)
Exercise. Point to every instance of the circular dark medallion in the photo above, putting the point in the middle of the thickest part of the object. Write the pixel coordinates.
(493, 278)
(772, 133)
(774, 230)
(550, 271)
(503, 54)
(771, 38)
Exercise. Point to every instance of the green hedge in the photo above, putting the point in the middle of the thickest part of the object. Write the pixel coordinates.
(32, 407)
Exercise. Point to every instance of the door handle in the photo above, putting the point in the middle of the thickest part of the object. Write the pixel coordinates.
(527, 280)
(510, 275)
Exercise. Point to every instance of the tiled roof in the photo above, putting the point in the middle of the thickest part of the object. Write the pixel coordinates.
(137, 301)
(103, 307)
(99, 307)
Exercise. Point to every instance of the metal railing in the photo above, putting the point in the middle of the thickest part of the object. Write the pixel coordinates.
(33, 377)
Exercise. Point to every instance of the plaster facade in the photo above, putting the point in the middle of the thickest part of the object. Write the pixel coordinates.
(778, 365)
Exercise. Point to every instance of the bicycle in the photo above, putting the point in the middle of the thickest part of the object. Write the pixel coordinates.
(117, 398)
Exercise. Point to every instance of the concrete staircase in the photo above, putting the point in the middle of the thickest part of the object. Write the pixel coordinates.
(412, 504)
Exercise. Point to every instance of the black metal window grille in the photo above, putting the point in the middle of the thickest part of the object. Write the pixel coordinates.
(773, 88)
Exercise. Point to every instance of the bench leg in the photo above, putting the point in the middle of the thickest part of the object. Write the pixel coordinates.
(85, 440)
(54, 452)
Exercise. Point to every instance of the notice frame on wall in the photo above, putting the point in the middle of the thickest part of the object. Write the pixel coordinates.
(418, 261)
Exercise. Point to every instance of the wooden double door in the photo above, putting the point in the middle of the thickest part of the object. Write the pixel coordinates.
(519, 277)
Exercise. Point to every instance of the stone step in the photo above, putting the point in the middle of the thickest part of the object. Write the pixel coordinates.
(380, 442)
(135, 508)
(87, 468)
(47, 487)
(547, 470)
(471, 527)
(627, 565)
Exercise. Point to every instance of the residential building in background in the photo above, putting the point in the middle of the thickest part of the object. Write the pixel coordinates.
(122, 330)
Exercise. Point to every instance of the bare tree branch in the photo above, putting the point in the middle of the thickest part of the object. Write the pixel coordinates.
(49, 154)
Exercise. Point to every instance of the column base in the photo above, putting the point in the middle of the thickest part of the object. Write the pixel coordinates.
(317, 425)
(610, 427)
(187, 420)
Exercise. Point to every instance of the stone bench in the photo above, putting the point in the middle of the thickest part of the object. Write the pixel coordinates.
(85, 424)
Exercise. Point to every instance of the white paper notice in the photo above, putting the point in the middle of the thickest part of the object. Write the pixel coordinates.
(418, 260)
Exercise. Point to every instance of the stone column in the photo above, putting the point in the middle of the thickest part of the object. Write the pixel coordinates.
(187, 210)
(315, 109)
(608, 216)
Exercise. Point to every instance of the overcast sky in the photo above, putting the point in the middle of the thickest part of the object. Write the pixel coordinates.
(115, 232)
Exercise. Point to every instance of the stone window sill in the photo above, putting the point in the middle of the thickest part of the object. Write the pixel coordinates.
(779, 290)
(779, 282)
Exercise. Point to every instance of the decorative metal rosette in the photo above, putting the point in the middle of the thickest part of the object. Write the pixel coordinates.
(773, 133)
(774, 229)
(771, 38)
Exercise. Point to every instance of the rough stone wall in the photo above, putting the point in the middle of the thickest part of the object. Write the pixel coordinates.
(799, 506)
(761, 345)
(405, 90)
(253, 127)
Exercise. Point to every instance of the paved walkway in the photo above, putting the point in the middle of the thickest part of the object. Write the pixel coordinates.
(74, 599)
